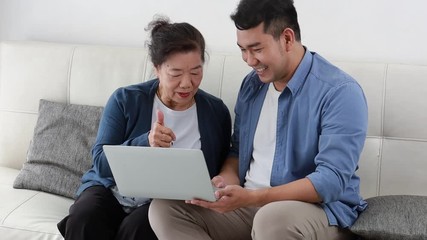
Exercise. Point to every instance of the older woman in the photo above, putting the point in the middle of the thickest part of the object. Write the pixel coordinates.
(169, 111)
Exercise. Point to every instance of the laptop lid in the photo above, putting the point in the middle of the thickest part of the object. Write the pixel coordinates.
(154, 172)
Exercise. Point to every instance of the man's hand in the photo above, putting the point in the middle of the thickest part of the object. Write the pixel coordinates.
(160, 135)
(219, 182)
(232, 197)
(229, 198)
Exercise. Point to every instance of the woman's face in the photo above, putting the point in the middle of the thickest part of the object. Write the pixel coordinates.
(179, 79)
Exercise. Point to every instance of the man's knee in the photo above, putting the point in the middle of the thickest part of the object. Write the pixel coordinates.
(295, 220)
(158, 207)
(161, 211)
(169, 219)
(274, 221)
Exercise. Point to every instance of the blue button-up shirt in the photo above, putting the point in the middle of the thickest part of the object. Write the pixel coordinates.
(321, 129)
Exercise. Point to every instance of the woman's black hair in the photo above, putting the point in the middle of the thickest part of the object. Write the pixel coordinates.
(168, 38)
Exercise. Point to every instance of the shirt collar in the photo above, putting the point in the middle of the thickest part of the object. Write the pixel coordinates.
(301, 73)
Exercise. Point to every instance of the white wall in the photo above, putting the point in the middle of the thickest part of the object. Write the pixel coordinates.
(359, 30)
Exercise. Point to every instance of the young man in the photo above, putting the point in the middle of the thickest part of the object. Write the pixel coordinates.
(299, 130)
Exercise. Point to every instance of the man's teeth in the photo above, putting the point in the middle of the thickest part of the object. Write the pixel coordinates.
(260, 69)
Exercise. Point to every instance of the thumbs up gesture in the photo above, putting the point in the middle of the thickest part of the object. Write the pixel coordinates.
(160, 135)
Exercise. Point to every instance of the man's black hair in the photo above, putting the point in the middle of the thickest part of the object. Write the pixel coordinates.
(275, 14)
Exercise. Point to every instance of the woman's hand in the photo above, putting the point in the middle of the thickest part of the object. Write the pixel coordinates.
(160, 136)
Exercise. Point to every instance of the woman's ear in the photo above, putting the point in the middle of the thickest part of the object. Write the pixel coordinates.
(157, 71)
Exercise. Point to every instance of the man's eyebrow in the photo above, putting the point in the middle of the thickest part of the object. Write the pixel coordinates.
(250, 45)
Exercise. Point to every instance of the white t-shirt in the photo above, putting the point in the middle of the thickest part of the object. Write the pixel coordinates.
(259, 172)
(183, 123)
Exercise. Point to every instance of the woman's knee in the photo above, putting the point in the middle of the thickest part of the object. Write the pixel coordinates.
(138, 218)
(96, 203)
(136, 225)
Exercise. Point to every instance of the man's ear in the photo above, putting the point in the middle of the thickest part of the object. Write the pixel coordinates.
(287, 38)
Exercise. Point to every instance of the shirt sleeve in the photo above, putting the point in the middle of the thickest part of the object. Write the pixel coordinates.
(344, 122)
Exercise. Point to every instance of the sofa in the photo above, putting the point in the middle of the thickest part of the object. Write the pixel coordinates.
(44, 80)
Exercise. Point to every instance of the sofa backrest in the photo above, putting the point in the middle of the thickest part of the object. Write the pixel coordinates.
(394, 159)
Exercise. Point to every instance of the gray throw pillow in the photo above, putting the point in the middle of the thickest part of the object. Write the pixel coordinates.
(59, 152)
(397, 217)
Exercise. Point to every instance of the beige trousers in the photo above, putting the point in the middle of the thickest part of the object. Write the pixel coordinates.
(278, 220)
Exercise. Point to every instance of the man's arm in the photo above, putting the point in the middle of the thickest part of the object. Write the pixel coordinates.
(299, 190)
(232, 197)
(229, 173)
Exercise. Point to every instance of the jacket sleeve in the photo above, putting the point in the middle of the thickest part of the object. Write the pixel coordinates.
(113, 131)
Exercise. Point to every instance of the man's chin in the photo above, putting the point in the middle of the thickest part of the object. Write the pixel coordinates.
(265, 79)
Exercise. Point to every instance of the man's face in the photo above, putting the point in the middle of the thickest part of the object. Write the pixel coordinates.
(263, 53)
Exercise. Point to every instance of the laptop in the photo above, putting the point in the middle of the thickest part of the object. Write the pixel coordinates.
(154, 172)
